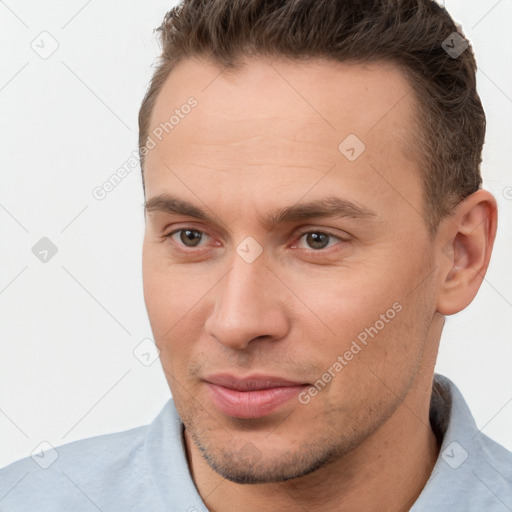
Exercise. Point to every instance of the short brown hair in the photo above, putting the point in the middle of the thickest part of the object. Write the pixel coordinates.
(409, 33)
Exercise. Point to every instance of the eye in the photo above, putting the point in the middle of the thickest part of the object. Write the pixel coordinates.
(187, 237)
(310, 240)
(318, 240)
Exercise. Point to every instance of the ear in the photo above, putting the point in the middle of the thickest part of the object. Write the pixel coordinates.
(467, 239)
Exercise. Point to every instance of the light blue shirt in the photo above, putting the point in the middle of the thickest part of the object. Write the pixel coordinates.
(145, 469)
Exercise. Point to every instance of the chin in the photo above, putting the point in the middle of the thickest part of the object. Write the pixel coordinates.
(249, 465)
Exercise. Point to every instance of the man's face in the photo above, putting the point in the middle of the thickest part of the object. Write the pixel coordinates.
(262, 300)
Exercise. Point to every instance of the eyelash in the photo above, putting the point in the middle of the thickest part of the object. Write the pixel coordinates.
(300, 235)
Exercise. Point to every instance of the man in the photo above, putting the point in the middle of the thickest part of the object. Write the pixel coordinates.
(314, 210)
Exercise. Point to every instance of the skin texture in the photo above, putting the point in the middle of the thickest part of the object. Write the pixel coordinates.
(261, 139)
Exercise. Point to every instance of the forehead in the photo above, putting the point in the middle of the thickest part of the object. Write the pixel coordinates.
(284, 125)
(331, 95)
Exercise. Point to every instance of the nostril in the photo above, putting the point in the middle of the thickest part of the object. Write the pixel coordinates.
(259, 337)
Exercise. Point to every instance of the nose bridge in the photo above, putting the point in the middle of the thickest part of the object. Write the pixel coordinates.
(246, 305)
(243, 291)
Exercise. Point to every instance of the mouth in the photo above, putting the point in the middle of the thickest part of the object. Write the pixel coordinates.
(253, 396)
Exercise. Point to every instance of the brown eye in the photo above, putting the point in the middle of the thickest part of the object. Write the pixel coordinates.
(187, 237)
(190, 237)
(317, 240)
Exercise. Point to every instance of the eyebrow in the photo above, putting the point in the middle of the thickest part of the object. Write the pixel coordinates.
(328, 207)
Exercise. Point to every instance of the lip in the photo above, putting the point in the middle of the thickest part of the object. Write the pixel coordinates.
(253, 396)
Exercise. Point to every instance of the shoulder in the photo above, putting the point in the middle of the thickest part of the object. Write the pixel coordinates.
(144, 468)
(473, 472)
(74, 476)
(493, 466)
(476, 475)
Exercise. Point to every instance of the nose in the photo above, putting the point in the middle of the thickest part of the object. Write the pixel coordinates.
(248, 305)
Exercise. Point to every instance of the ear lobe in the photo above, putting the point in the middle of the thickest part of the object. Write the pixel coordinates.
(465, 257)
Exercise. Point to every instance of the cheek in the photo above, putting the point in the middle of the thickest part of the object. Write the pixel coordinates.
(369, 318)
(337, 305)
(174, 297)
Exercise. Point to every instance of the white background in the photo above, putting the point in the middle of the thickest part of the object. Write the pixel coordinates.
(69, 326)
